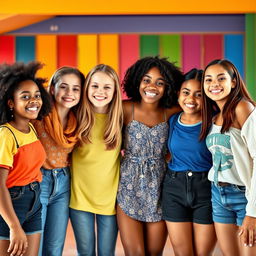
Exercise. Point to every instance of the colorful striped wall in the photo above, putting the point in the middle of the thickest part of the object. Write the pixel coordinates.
(120, 51)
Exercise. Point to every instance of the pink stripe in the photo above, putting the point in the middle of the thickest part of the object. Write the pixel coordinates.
(7, 49)
(191, 52)
(213, 48)
(128, 52)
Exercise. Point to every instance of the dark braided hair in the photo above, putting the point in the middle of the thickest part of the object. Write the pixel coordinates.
(11, 75)
(171, 75)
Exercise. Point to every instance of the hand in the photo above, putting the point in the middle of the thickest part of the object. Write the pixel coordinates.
(18, 242)
(247, 231)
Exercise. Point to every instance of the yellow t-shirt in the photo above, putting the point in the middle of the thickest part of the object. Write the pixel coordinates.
(95, 173)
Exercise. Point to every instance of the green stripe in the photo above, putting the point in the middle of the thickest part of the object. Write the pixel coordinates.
(149, 45)
(170, 47)
(250, 35)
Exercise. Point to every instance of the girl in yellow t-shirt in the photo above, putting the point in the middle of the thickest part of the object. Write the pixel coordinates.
(22, 98)
(95, 163)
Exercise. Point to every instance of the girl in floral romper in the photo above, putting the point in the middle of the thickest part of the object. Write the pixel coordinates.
(150, 85)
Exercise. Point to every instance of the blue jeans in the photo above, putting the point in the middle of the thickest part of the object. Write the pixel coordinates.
(55, 194)
(84, 229)
(228, 204)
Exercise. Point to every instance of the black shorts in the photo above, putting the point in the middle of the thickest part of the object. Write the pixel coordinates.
(187, 197)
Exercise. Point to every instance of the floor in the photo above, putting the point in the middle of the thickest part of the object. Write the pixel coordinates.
(70, 246)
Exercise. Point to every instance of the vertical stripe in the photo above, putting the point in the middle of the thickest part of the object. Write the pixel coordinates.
(191, 52)
(87, 52)
(7, 49)
(149, 45)
(170, 47)
(250, 40)
(109, 51)
(234, 51)
(213, 48)
(67, 50)
(25, 48)
(129, 53)
(46, 52)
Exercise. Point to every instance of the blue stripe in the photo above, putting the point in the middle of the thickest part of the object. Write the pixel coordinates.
(234, 51)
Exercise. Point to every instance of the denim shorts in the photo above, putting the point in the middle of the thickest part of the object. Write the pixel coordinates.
(229, 203)
(187, 197)
(27, 206)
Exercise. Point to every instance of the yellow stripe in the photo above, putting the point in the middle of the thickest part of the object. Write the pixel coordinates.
(87, 52)
(109, 50)
(46, 52)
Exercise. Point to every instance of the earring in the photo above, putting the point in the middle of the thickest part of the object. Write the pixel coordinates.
(11, 110)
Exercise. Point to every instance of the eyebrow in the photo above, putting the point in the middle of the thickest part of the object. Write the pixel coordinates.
(28, 91)
(221, 74)
(151, 77)
(70, 84)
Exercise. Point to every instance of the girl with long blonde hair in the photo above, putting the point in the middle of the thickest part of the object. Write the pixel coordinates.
(95, 163)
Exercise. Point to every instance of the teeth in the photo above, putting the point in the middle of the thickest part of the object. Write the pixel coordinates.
(32, 109)
(99, 97)
(215, 91)
(150, 94)
(190, 105)
(68, 99)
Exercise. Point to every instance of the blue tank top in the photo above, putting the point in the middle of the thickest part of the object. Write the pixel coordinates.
(188, 153)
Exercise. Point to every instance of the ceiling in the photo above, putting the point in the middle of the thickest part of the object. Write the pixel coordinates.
(16, 14)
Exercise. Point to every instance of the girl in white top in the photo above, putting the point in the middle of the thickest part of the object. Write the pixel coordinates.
(231, 140)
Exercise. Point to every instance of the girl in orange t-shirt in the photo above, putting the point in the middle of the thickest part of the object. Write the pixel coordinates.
(22, 98)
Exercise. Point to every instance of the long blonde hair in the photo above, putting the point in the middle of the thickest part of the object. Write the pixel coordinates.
(86, 115)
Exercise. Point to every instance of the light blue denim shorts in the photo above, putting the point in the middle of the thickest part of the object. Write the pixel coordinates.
(228, 204)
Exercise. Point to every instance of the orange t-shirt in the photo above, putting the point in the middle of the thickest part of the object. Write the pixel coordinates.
(21, 153)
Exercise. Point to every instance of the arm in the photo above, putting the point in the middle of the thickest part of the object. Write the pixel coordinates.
(243, 111)
(18, 239)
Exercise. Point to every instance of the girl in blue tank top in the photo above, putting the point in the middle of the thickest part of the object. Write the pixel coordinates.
(187, 191)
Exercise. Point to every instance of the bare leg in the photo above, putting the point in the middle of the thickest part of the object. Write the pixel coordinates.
(227, 238)
(181, 237)
(131, 233)
(33, 244)
(4, 244)
(155, 236)
(204, 239)
(246, 250)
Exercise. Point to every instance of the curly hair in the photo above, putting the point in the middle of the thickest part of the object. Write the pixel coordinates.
(11, 75)
(172, 76)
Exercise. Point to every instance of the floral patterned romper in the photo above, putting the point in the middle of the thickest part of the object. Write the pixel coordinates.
(142, 170)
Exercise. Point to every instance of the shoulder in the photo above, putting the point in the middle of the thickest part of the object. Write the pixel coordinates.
(171, 111)
(243, 110)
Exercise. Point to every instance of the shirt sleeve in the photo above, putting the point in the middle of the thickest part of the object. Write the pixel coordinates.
(248, 134)
(8, 148)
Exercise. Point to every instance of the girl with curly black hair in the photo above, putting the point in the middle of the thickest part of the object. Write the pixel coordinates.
(151, 84)
(22, 98)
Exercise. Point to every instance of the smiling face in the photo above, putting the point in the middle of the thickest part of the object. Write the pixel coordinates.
(218, 84)
(67, 91)
(26, 102)
(100, 91)
(152, 86)
(189, 97)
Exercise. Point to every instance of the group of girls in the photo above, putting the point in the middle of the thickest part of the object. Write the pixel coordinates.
(187, 167)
